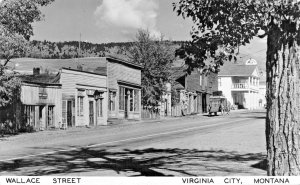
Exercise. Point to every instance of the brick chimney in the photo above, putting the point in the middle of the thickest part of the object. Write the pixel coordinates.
(36, 71)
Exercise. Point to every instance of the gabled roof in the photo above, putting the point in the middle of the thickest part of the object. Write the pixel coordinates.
(230, 69)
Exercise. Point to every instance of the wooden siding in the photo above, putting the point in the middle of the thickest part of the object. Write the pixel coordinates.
(69, 79)
(117, 71)
(30, 96)
(209, 82)
(72, 81)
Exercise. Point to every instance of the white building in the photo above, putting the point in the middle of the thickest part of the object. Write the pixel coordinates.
(262, 94)
(240, 84)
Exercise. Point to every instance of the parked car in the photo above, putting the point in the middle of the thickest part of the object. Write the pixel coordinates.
(218, 104)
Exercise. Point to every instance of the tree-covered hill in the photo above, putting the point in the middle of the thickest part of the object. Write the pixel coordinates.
(62, 50)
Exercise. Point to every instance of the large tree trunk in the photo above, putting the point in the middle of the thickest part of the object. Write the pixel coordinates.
(282, 122)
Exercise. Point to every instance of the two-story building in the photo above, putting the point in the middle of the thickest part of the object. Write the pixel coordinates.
(240, 84)
(194, 90)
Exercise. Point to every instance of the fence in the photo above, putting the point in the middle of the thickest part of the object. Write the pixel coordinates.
(176, 110)
(150, 113)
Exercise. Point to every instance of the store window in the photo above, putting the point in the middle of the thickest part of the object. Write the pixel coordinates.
(99, 105)
(80, 106)
(136, 100)
(131, 96)
(29, 115)
(122, 98)
(112, 101)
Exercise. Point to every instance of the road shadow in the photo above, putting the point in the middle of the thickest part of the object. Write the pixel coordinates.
(145, 162)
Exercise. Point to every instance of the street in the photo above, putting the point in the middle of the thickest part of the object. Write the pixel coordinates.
(188, 146)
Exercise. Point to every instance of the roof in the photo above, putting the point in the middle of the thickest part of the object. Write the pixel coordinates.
(81, 71)
(178, 86)
(90, 64)
(43, 79)
(123, 59)
(231, 69)
(178, 72)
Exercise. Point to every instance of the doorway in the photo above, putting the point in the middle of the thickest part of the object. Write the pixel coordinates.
(42, 116)
(91, 113)
(69, 113)
(50, 116)
(204, 103)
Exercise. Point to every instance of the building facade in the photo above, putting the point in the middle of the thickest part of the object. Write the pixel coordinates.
(84, 98)
(240, 84)
(124, 88)
(194, 90)
(41, 105)
(123, 83)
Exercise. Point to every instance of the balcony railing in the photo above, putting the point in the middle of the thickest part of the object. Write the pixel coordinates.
(240, 86)
(244, 86)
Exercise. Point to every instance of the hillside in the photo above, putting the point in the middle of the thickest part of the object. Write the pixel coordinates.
(71, 50)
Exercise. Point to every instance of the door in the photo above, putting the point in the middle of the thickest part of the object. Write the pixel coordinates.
(42, 116)
(91, 113)
(204, 103)
(50, 116)
(126, 103)
(69, 113)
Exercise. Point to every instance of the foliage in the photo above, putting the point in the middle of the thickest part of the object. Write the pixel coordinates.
(70, 49)
(156, 57)
(9, 88)
(16, 17)
(221, 26)
(11, 45)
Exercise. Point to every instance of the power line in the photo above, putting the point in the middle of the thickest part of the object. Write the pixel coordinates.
(254, 53)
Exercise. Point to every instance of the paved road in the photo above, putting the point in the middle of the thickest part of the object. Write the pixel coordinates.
(196, 145)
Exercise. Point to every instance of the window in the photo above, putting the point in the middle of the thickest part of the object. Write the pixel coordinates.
(136, 100)
(205, 81)
(80, 105)
(130, 96)
(64, 111)
(43, 93)
(99, 107)
(112, 101)
(29, 115)
(219, 82)
(200, 79)
(122, 98)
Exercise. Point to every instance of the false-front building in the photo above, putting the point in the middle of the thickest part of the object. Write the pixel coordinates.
(123, 86)
(84, 98)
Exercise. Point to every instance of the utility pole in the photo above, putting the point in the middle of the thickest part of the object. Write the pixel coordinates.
(79, 54)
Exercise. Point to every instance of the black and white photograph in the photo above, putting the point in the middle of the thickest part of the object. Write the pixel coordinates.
(150, 88)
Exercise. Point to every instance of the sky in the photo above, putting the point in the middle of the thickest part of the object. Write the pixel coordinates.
(103, 21)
